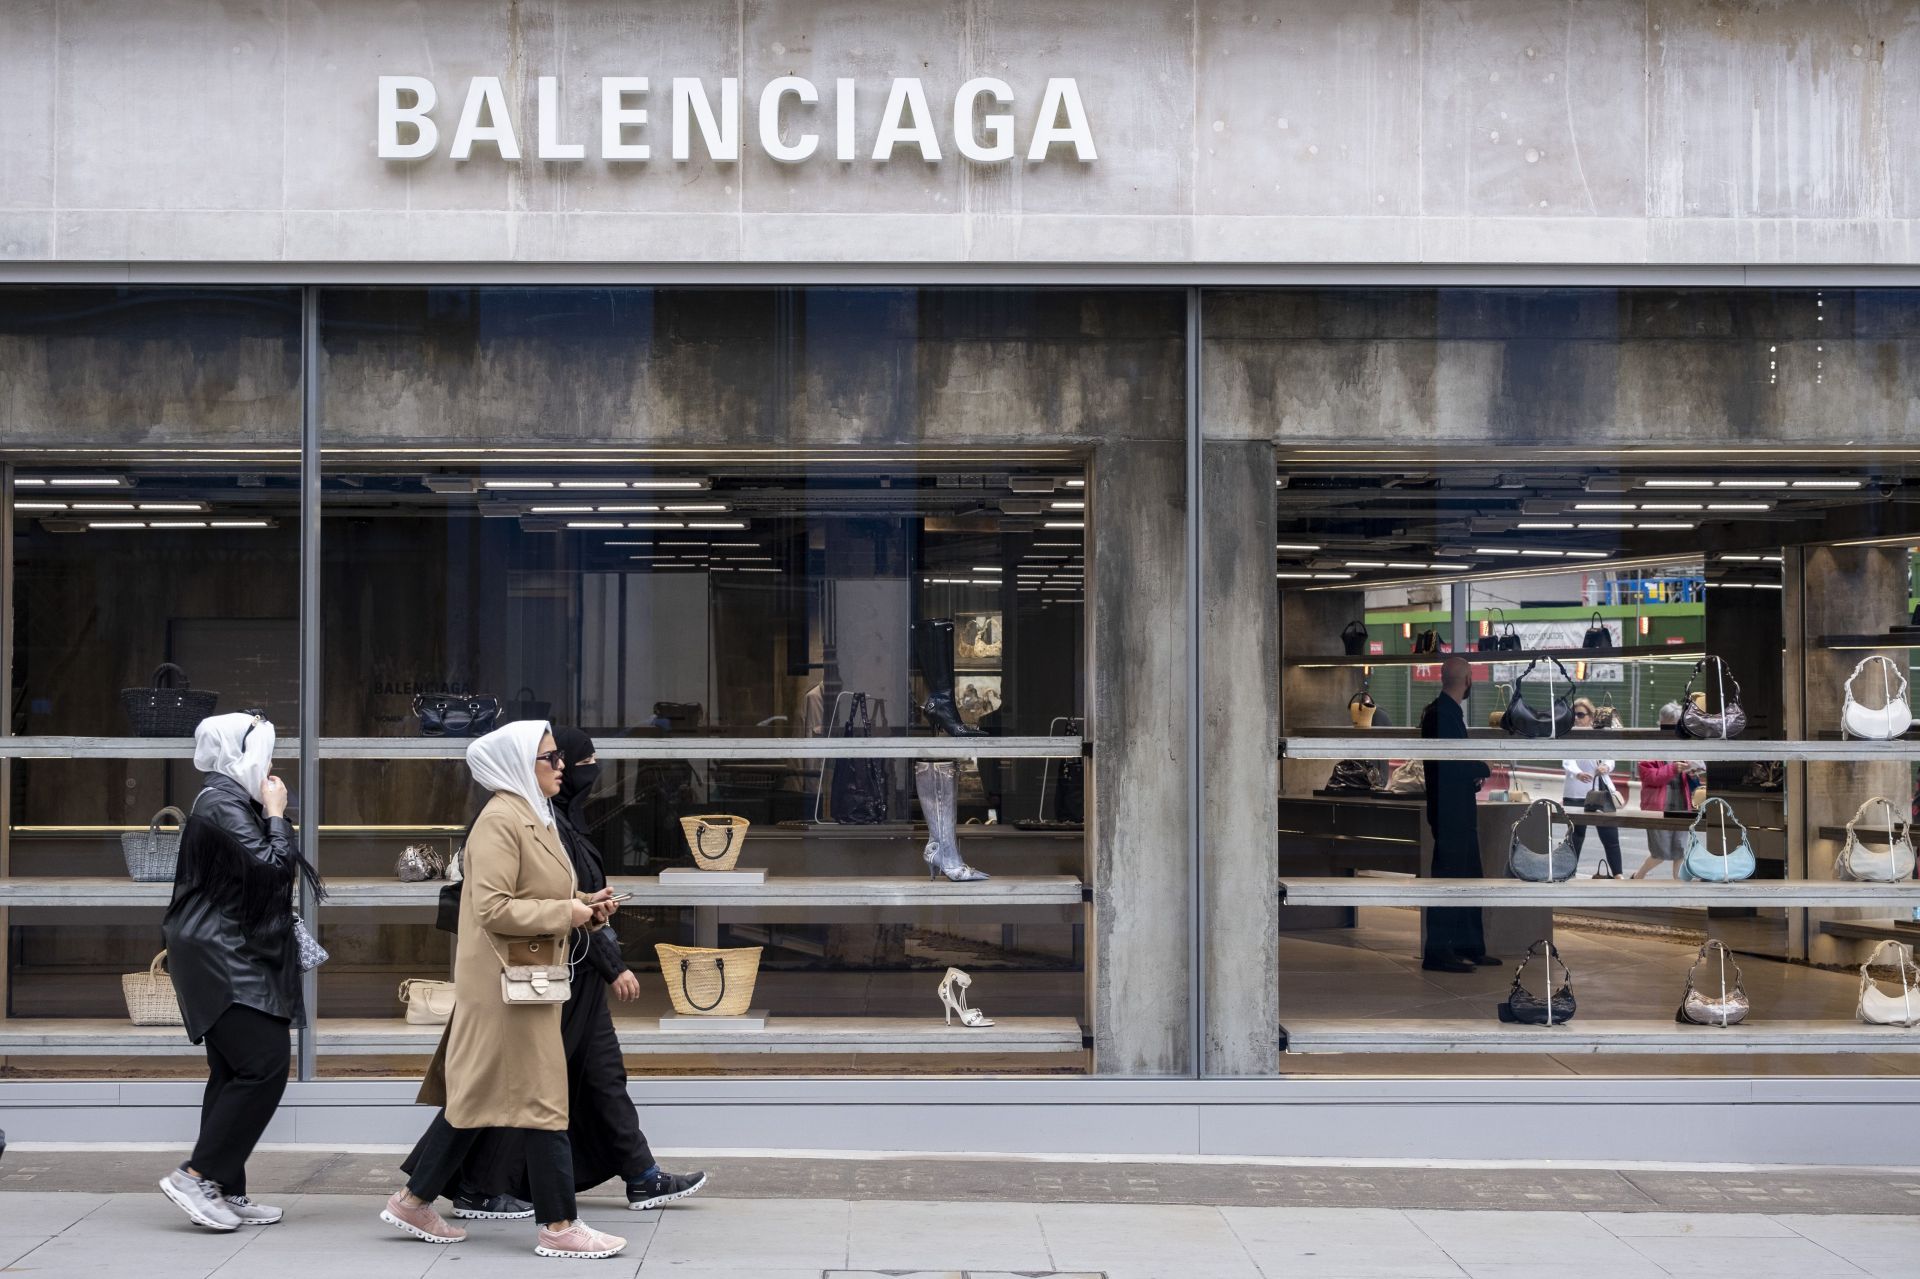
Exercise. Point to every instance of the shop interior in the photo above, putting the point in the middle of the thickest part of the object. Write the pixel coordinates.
(786, 642)
(1627, 597)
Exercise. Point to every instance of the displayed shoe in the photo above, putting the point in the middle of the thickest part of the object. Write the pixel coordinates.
(939, 799)
(953, 994)
(251, 1213)
(1447, 966)
(200, 1199)
(660, 1187)
(420, 1221)
(933, 646)
(578, 1240)
(1485, 961)
(492, 1207)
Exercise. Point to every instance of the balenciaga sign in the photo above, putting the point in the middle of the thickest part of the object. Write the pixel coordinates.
(792, 121)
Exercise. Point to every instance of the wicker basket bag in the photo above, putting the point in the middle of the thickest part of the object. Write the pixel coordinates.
(715, 839)
(152, 853)
(703, 982)
(150, 997)
(169, 707)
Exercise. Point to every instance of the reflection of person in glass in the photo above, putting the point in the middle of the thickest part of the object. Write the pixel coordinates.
(1456, 939)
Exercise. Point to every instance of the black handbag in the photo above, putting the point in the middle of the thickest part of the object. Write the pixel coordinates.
(1427, 641)
(1729, 721)
(446, 716)
(1353, 775)
(1354, 638)
(168, 707)
(1525, 1008)
(1597, 636)
(859, 785)
(525, 705)
(1500, 636)
(446, 915)
(1523, 721)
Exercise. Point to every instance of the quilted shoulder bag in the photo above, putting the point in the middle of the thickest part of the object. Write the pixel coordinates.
(534, 970)
(429, 1003)
(1354, 638)
(1523, 721)
(1427, 641)
(1878, 723)
(1528, 1009)
(1696, 721)
(1597, 636)
(1547, 861)
(1877, 1007)
(1857, 861)
(1729, 1007)
(1733, 862)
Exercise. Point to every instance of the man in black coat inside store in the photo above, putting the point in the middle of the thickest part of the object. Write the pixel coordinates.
(1455, 937)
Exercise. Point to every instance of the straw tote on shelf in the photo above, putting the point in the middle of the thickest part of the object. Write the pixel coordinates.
(150, 997)
(704, 982)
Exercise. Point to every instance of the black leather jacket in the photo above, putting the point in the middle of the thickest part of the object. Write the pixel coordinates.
(229, 927)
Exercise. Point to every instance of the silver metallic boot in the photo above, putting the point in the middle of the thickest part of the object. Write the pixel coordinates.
(938, 798)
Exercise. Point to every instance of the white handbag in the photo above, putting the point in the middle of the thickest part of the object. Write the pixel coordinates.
(429, 1003)
(1877, 1008)
(1877, 723)
(1858, 861)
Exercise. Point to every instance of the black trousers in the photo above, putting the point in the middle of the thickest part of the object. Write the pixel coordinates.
(1455, 932)
(442, 1149)
(1609, 842)
(247, 1057)
(605, 1127)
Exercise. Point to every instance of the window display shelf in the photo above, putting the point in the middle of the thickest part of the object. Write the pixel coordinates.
(1491, 744)
(1445, 1035)
(1851, 643)
(1633, 893)
(618, 748)
(372, 1037)
(1645, 653)
(1001, 890)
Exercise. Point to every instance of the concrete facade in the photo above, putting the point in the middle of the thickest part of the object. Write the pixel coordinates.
(1228, 131)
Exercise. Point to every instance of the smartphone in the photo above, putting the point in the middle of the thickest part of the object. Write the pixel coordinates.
(621, 897)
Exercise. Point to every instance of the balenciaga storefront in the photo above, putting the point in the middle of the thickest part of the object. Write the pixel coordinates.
(1061, 443)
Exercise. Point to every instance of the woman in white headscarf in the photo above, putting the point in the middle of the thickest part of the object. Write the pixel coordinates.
(234, 962)
(500, 1064)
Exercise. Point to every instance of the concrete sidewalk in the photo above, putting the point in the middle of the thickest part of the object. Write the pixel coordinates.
(142, 1236)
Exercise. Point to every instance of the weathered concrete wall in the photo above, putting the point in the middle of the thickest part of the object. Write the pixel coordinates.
(1140, 963)
(1228, 130)
(1599, 367)
(1240, 673)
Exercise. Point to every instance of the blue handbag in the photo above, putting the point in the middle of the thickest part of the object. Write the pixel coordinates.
(1699, 861)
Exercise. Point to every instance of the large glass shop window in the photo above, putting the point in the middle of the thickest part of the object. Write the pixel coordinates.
(149, 472)
(1626, 691)
(830, 657)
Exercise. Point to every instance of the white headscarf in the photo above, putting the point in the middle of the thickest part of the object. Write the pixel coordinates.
(223, 744)
(504, 759)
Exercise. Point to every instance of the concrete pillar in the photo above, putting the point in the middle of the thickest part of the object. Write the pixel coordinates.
(1239, 808)
(1140, 965)
(1857, 590)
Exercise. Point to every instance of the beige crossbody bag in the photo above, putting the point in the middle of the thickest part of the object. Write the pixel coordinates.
(528, 974)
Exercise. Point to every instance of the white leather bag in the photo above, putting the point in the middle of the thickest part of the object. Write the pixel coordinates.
(1880, 723)
(429, 1003)
(1876, 865)
(1877, 1008)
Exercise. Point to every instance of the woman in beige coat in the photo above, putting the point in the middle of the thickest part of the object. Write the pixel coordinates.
(501, 1064)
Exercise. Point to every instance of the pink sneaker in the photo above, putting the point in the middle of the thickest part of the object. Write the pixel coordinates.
(420, 1221)
(578, 1240)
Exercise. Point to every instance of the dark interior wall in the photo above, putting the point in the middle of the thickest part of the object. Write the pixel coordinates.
(149, 367)
(1598, 367)
(745, 368)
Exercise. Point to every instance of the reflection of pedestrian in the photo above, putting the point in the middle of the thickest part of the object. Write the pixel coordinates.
(1664, 789)
(1455, 935)
(1590, 778)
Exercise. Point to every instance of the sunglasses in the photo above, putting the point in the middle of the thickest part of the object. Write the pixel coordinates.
(1583, 714)
(556, 759)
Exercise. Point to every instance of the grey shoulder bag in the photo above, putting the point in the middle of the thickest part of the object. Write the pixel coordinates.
(1553, 860)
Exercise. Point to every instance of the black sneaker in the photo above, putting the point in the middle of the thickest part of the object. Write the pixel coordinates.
(491, 1208)
(662, 1188)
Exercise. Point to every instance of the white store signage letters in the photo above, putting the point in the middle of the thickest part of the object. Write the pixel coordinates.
(791, 121)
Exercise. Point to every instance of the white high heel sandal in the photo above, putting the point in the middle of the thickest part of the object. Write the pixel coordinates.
(953, 993)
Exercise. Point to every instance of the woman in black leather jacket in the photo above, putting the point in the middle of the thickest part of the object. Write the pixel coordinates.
(234, 961)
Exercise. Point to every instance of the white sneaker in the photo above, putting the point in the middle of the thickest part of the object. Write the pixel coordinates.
(251, 1213)
(200, 1199)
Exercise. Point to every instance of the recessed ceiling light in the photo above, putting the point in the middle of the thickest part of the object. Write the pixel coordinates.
(1296, 546)
(1064, 524)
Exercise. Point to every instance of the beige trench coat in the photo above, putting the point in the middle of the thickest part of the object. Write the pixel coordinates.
(499, 1066)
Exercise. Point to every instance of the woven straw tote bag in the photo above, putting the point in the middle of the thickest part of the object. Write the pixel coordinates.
(703, 982)
(150, 997)
(715, 839)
